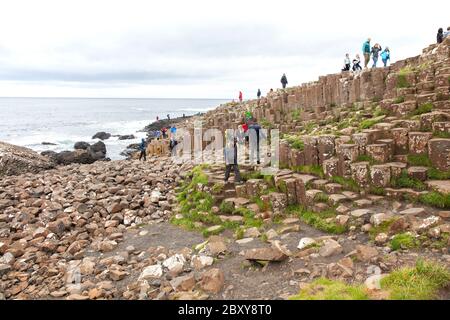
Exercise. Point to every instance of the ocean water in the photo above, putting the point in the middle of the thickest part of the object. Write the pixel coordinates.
(30, 121)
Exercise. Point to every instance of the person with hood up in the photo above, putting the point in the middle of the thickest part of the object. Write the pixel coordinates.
(440, 35)
(366, 53)
(143, 148)
(376, 49)
(284, 81)
(385, 56)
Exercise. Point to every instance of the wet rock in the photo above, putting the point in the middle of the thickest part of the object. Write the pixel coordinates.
(126, 137)
(81, 145)
(101, 135)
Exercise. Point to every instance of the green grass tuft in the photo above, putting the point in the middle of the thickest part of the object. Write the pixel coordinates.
(369, 123)
(421, 282)
(326, 289)
(436, 199)
(403, 241)
(404, 181)
(436, 174)
(314, 170)
(420, 160)
(318, 219)
(424, 108)
(347, 183)
(400, 99)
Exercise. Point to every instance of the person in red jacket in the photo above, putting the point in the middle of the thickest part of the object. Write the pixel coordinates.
(240, 96)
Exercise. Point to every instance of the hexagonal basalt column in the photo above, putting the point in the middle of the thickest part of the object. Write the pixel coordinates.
(418, 142)
(380, 175)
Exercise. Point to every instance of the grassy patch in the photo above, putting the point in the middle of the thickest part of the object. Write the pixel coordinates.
(436, 199)
(317, 219)
(249, 218)
(436, 174)
(402, 81)
(441, 134)
(420, 160)
(294, 141)
(266, 124)
(296, 114)
(226, 207)
(378, 191)
(347, 183)
(366, 158)
(314, 170)
(321, 197)
(400, 99)
(326, 289)
(424, 108)
(403, 241)
(381, 228)
(245, 176)
(404, 181)
(217, 188)
(421, 282)
(369, 123)
(380, 112)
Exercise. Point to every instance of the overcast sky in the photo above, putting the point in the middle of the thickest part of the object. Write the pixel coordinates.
(195, 48)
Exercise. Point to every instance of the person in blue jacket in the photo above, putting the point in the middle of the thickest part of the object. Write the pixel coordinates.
(143, 147)
(385, 56)
(366, 53)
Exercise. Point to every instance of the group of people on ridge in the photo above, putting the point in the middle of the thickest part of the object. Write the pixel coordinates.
(283, 81)
(376, 51)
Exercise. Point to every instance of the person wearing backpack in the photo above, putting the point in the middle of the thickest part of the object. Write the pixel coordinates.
(142, 148)
(366, 53)
(440, 35)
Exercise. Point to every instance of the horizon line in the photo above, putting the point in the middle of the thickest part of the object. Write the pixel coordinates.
(4, 97)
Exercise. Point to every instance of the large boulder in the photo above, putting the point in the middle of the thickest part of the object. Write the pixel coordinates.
(101, 135)
(81, 145)
(127, 137)
(98, 147)
(77, 156)
(17, 160)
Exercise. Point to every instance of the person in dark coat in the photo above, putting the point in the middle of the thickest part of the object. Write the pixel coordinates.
(255, 132)
(142, 148)
(258, 94)
(284, 81)
(231, 161)
(440, 35)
